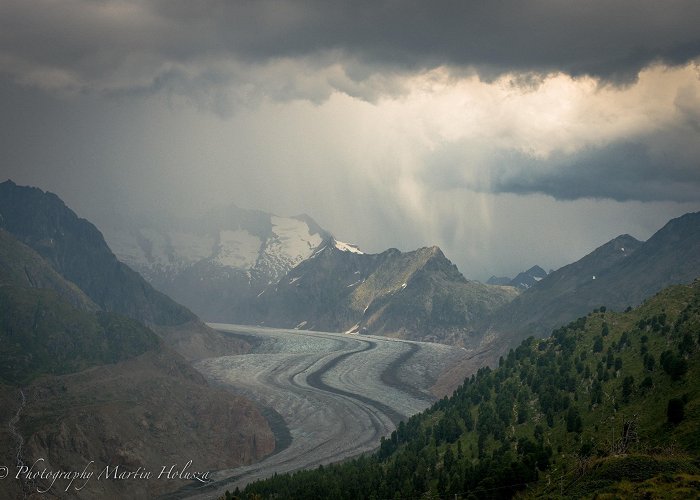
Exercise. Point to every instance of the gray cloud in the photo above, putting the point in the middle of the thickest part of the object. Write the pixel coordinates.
(640, 169)
(121, 158)
(83, 45)
(448, 162)
(622, 172)
(613, 40)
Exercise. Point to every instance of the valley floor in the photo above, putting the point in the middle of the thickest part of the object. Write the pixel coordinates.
(338, 394)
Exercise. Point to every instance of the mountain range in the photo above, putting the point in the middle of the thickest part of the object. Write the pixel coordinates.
(523, 280)
(251, 267)
(217, 262)
(416, 295)
(87, 368)
(619, 274)
(90, 348)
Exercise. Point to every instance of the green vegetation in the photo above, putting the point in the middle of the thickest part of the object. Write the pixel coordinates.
(41, 333)
(609, 405)
(49, 326)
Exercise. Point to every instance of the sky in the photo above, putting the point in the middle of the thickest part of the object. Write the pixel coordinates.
(510, 133)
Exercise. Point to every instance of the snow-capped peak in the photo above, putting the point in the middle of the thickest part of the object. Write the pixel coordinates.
(240, 243)
(347, 247)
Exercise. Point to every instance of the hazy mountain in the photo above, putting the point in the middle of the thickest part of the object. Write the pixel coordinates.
(417, 295)
(621, 273)
(617, 275)
(523, 280)
(215, 263)
(670, 256)
(97, 385)
(76, 250)
(566, 293)
(499, 280)
(49, 326)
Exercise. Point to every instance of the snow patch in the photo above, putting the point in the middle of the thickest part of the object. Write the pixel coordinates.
(289, 244)
(238, 249)
(293, 239)
(354, 329)
(347, 247)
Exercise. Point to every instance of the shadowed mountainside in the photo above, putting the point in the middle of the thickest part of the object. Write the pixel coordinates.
(87, 384)
(619, 274)
(76, 250)
(417, 295)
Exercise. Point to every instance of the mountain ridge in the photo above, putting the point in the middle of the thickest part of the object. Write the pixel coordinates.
(98, 385)
(619, 274)
(522, 280)
(216, 262)
(77, 251)
(418, 295)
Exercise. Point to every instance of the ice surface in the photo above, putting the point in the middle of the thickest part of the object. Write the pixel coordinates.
(293, 239)
(238, 249)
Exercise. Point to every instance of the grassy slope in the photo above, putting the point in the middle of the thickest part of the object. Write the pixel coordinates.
(22, 266)
(41, 333)
(49, 326)
(101, 386)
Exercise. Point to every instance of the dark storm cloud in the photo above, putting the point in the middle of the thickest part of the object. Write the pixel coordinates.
(622, 172)
(640, 169)
(121, 44)
(613, 40)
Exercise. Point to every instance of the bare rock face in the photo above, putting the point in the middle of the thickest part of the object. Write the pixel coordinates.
(143, 414)
(76, 250)
(418, 295)
(86, 385)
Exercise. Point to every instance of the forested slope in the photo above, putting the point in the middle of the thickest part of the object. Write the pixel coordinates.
(609, 403)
